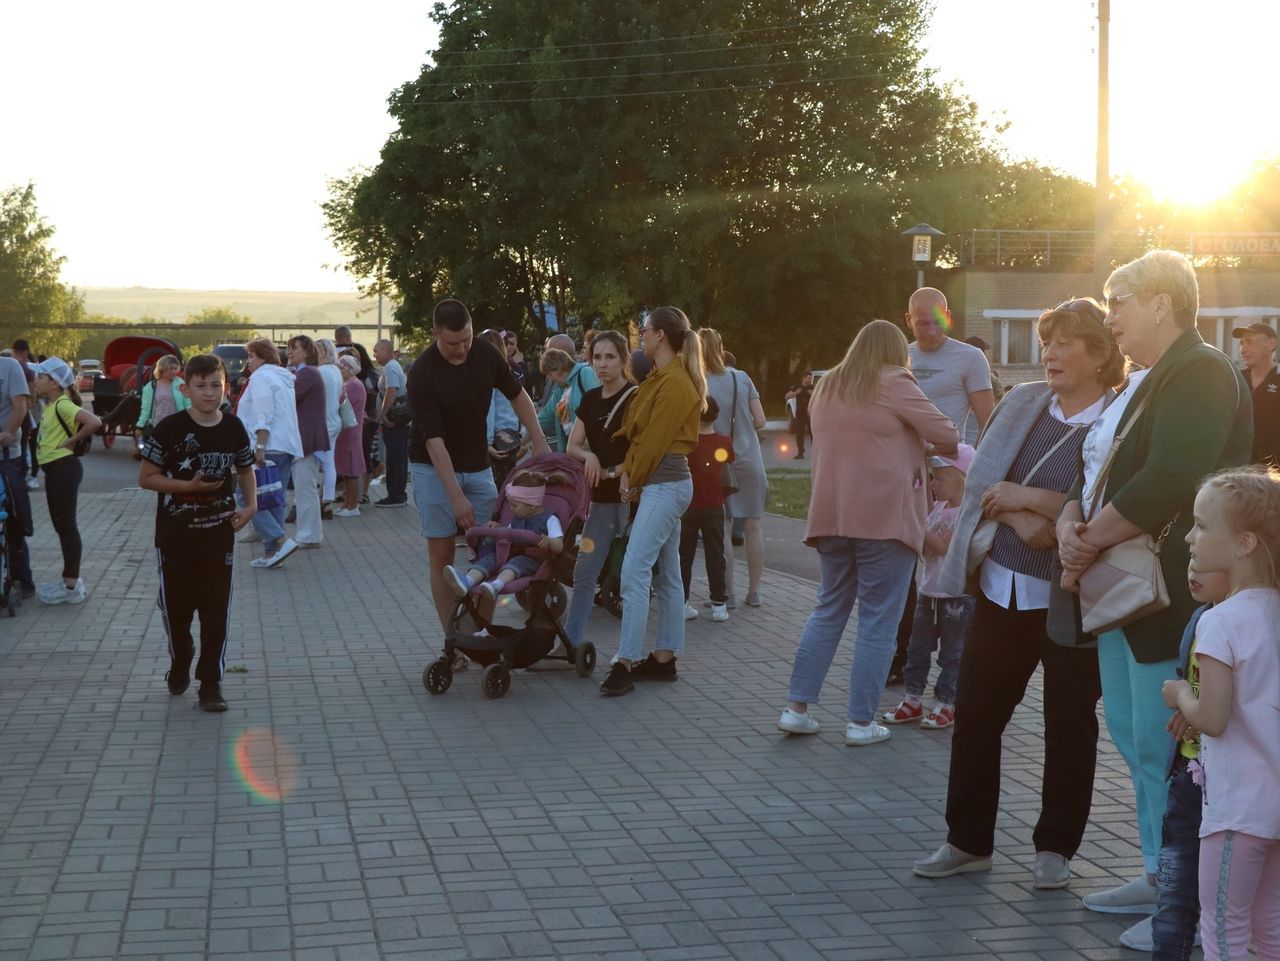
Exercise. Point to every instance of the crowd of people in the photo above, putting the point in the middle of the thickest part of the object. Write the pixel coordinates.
(984, 531)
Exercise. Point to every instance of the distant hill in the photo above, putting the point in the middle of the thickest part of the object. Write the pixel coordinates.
(287, 311)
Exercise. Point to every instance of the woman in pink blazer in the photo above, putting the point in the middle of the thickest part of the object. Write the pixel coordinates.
(872, 425)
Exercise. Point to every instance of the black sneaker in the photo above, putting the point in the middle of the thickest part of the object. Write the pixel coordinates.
(391, 502)
(211, 699)
(651, 669)
(177, 680)
(618, 681)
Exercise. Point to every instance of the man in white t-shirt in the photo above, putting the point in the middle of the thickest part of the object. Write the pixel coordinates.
(957, 378)
(952, 374)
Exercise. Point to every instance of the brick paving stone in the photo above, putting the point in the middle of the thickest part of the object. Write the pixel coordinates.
(337, 812)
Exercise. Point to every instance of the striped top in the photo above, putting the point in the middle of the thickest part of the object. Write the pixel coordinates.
(1057, 473)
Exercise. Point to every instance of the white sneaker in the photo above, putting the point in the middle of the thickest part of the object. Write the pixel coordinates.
(260, 562)
(689, 613)
(793, 722)
(347, 512)
(33, 483)
(860, 735)
(488, 589)
(1133, 897)
(248, 535)
(287, 548)
(57, 592)
(1139, 937)
(456, 580)
(719, 612)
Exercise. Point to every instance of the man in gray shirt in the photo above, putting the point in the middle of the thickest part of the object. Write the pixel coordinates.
(15, 397)
(952, 374)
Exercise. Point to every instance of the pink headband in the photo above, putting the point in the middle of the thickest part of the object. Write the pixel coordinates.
(526, 495)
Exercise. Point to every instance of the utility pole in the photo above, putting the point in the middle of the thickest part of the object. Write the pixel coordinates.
(1102, 179)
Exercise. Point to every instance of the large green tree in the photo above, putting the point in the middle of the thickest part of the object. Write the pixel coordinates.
(30, 289)
(749, 160)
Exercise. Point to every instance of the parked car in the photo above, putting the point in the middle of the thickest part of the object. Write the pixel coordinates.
(234, 358)
(87, 371)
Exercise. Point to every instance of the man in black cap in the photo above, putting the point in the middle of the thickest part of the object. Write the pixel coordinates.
(1258, 351)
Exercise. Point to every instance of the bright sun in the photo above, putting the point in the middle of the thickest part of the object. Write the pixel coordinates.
(1197, 178)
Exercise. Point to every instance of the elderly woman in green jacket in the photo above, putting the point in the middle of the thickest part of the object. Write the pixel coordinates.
(1197, 418)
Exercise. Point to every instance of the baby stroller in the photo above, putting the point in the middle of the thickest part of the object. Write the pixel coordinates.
(502, 649)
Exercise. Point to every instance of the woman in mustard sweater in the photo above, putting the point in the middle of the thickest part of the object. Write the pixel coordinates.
(662, 425)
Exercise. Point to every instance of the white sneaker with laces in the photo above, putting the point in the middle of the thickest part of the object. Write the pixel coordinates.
(719, 613)
(860, 735)
(689, 613)
(33, 483)
(57, 592)
(347, 512)
(793, 722)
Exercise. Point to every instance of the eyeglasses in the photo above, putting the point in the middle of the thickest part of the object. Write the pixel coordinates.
(1115, 300)
(1082, 306)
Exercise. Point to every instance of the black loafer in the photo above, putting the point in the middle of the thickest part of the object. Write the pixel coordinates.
(211, 699)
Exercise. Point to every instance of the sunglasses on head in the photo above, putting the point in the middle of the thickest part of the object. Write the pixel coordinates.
(1081, 306)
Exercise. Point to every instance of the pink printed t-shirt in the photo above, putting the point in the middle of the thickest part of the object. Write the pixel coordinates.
(1242, 765)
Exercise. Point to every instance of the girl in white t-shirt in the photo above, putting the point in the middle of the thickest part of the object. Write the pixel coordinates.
(1237, 711)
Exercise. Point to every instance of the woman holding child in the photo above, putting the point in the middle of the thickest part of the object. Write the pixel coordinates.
(662, 426)
(872, 421)
(1017, 482)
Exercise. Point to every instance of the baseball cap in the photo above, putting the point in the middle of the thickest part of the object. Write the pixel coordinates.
(56, 368)
(961, 461)
(1258, 328)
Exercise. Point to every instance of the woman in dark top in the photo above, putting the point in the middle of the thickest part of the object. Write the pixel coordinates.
(1026, 461)
(592, 441)
(1191, 415)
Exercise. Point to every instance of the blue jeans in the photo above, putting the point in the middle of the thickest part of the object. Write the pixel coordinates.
(604, 523)
(395, 446)
(435, 513)
(655, 537)
(1173, 929)
(1136, 717)
(270, 524)
(941, 623)
(876, 574)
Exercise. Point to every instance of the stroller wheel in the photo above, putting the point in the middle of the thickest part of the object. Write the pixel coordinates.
(495, 680)
(585, 659)
(438, 676)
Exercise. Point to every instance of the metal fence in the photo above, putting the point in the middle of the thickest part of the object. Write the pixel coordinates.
(1066, 250)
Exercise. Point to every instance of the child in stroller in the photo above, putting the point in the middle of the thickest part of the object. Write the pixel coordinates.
(527, 553)
(525, 493)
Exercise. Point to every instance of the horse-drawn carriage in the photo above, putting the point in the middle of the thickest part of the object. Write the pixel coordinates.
(127, 365)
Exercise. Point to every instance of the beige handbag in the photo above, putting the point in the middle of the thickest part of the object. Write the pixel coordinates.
(984, 535)
(1125, 583)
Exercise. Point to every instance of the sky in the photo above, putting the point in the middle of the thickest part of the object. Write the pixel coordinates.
(184, 145)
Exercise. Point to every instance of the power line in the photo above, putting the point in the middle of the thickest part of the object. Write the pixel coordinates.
(664, 73)
(798, 25)
(651, 93)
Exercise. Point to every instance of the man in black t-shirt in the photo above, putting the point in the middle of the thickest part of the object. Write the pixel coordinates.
(1258, 351)
(800, 422)
(193, 461)
(450, 386)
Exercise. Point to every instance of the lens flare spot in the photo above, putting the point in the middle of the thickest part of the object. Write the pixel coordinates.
(586, 545)
(265, 764)
(940, 317)
(784, 448)
(721, 455)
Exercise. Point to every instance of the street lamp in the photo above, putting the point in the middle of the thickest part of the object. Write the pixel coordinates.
(921, 248)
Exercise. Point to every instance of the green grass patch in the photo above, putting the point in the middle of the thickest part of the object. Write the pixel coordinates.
(789, 491)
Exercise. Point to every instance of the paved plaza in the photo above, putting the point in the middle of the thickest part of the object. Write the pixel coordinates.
(337, 812)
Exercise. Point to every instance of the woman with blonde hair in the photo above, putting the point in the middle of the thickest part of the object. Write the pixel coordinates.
(871, 421)
(327, 354)
(741, 416)
(662, 425)
(161, 396)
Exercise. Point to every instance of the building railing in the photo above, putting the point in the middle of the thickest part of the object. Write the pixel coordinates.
(1069, 250)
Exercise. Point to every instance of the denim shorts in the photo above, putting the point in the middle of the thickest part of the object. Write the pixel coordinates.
(434, 509)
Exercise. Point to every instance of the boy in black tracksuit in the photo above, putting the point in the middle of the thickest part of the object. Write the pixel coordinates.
(193, 460)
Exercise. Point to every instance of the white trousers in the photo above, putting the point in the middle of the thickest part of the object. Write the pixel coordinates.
(306, 497)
